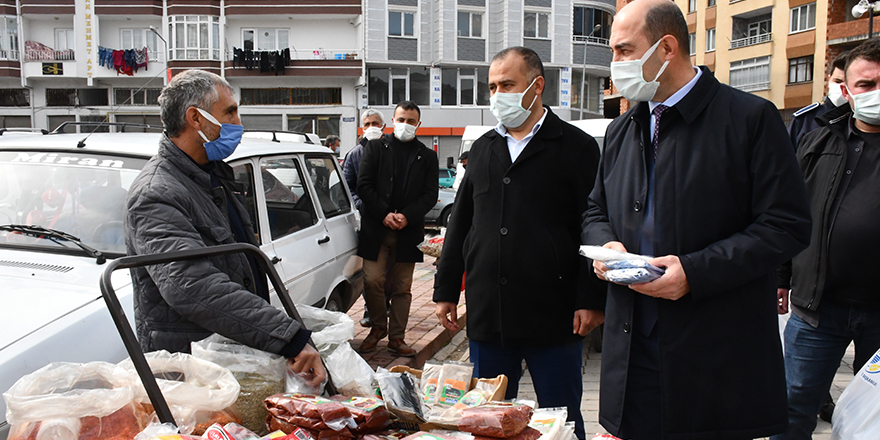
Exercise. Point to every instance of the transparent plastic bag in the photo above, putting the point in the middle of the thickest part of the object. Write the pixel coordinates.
(496, 419)
(351, 374)
(432, 247)
(327, 327)
(857, 414)
(549, 421)
(259, 373)
(198, 392)
(69, 401)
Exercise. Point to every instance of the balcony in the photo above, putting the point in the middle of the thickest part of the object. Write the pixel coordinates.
(751, 41)
(303, 62)
(34, 51)
(10, 55)
(594, 40)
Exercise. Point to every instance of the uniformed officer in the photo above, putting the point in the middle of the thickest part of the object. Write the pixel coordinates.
(805, 119)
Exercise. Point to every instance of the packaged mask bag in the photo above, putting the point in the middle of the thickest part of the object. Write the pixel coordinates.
(632, 271)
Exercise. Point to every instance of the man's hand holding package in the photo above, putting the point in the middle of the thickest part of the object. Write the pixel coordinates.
(672, 285)
(307, 364)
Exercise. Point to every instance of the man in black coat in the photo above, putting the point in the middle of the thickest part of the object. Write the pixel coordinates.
(805, 119)
(515, 231)
(397, 183)
(703, 176)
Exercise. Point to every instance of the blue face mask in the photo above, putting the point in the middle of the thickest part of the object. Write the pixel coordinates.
(222, 147)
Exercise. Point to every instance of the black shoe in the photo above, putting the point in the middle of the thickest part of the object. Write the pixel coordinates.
(827, 410)
(366, 321)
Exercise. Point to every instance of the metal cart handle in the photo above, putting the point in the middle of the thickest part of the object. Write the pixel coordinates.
(128, 336)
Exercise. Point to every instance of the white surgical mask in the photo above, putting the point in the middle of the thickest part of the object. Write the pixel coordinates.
(867, 106)
(404, 131)
(629, 77)
(373, 133)
(835, 94)
(508, 109)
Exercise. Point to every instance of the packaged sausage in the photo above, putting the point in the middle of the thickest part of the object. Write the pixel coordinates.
(368, 412)
(526, 434)
(308, 406)
(496, 419)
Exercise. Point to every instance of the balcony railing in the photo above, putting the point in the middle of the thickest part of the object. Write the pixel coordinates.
(11, 55)
(584, 38)
(751, 41)
(751, 87)
(316, 54)
(51, 55)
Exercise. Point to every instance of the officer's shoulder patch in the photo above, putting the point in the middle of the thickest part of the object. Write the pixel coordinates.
(806, 109)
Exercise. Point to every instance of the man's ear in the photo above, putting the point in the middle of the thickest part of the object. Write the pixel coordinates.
(669, 46)
(539, 85)
(193, 118)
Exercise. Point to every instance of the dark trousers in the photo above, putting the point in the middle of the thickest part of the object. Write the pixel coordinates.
(641, 404)
(556, 371)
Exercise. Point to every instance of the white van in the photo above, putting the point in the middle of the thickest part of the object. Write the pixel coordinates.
(595, 128)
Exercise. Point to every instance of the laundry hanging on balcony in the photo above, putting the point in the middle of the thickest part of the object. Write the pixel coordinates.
(265, 60)
(126, 61)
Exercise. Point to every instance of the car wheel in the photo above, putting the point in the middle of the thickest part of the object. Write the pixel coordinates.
(334, 303)
(443, 220)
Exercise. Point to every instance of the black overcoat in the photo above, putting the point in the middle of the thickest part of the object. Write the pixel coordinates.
(375, 182)
(731, 204)
(515, 229)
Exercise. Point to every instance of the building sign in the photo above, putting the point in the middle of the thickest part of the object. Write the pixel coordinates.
(53, 68)
(86, 27)
(436, 83)
(565, 87)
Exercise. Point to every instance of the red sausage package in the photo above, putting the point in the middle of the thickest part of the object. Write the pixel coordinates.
(496, 419)
(369, 412)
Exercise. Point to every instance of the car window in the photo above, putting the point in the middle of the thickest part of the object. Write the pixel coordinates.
(288, 203)
(82, 194)
(244, 177)
(443, 174)
(328, 185)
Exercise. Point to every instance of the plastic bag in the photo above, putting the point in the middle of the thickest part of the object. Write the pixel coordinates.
(549, 421)
(432, 247)
(454, 382)
(496, 419)
(528, 433)
(369, 413)
(68, 401)
(327, 327)
(479, 395)
(199, 393)
(857, 414)
(259, 373)
(401, 394)
(430, 376)
(632, 271)
(319, 417)
(351, 374)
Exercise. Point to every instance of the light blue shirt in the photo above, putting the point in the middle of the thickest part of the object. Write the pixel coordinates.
(517, 146)
(677, 96)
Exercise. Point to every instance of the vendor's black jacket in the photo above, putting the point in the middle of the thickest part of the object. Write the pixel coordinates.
(822, 156)
(375, 184)
(515, 230)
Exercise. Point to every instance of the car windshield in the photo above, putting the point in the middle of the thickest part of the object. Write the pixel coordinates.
(81, 194)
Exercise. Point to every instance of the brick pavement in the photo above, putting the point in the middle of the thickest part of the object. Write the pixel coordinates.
(423, 330)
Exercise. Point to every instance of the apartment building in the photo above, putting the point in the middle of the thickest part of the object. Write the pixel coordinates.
(298, 65)
(844, 31)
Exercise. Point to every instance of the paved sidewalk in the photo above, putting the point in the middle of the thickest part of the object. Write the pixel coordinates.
(423, 332)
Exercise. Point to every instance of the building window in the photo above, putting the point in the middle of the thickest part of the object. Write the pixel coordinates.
(800, 70)
(138, 39)
(265, 39)
(76, 97)
(153, 120)
(15, 98)
(64, 39)
(322, 125)
(194, 37)
(401, 24)
(692, 44)
(390, 86)
(536, 25)
(136, 96)
(710, 40)
(803, 18)
(550, 97)
(585, 21)
(759, 28)
(470, 24)
(8, 38)
(298, 96)
(710, 3)
(750, 75)
(692, 6)
(465, 86)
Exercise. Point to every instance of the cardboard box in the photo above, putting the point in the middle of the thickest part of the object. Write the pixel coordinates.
(498, 395)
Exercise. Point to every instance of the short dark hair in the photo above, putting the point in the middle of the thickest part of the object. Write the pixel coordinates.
(666, 18)
(868, 51)
(331, 139)
(408, 105)
(533, 67)
(463, 156)
(839, 62)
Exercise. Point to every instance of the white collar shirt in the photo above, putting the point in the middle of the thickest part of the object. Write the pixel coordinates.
(517, 146)
(675, 98)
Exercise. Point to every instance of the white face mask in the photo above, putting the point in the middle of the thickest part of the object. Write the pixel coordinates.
(404, 131)
(867, 106)
(507, 107)
(373, 133)
(835, 94)
(629, 78)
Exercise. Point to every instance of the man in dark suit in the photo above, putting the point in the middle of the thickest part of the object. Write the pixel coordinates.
(805, 119)
(397, 183)
(515, 230)
(703, 176)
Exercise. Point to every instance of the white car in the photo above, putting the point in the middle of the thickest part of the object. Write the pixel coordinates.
(52, 305)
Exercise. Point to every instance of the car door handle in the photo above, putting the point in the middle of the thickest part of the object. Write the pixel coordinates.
(324, 240)
(275, 260)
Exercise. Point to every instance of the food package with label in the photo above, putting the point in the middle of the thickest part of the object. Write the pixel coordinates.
(198, 392)
(528, 433)
(320, 417)
(430, 376)
(71, 401)
(454, 382)
(259, 373)
(496, 419)
(549, 421)
(402, 396)
(369, 413)
(480, 394)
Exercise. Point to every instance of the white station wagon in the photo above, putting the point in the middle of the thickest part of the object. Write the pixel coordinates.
(62, 201)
